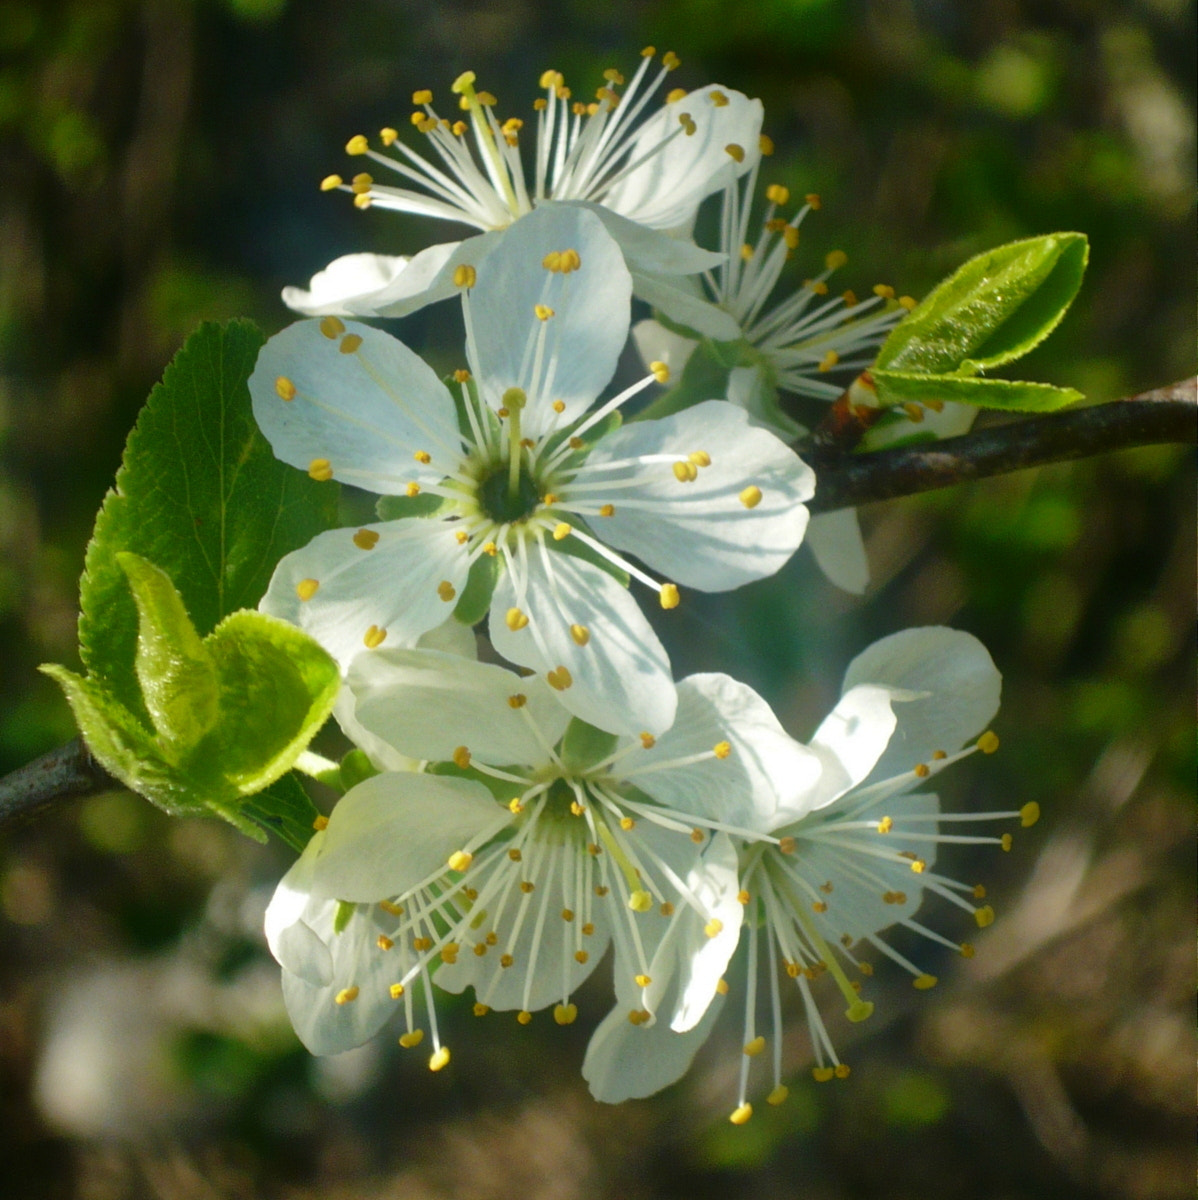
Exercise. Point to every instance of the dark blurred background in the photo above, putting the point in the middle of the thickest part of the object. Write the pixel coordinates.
(158, 166)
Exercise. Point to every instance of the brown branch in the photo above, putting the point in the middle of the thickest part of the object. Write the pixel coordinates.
(68, 771)
(1168, 414)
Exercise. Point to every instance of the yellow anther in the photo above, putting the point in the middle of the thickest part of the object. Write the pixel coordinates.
(1007, 841)
(331, 183)
(458, 128)
(819, 906)
(516, 854)
(361, 184)
(412, 1038)
(383, 942)
(346, 995)
(666, 909)
(924, 982)
(755, 1047)
(743, 897)
(374, 637)
(746, 251)
(439, 1059)
(735, 152)
(552, 261)
(446, 590)
(700, 458)
(988, 742)
(357, 145)
(524, 1016)
(937, 755)
(765, 144)
(567, 914)
(421, 944)
(687, 123)
(397, 990)
(559, 679)
(640, 901)
(519, 700)
(571, 261)
(332, 327)
(423, 456)
(835, 259)
(627, 823)
(637, 1016)
(449, 953)
(366, 539)
(843, 1071)
(777, 194)
(642, 981)
(965, 949)
(648, 741)
(460, 860)
(581, 956)
(670, 60)
(676, 95)
(461, 757)
(714, 927)
(685, 471)
(490, 549)
(284, 388)
(918, 866)
(388, 906)
(859, 1010)
(515, 619)
(581, 634)
(492, 938)
(908, 302)
(613, 76)
(778, 1095)
(543, 311)
(886, 824)
(461, 537)
(741, 1114)
(787, 845)
(979, 891)
(320, 469)
(698, 837)
(659, 371)
(607, 510)
(351, 343)
(884, 290)
(1029, 814)
(562, 530)
(829, 360)
(721, 986)
(849, 298)
(822, 1074)
(461, 375)
(565, 1014)
(751, 496)
(363, 200)
(480, 950)
(320, 822)
(984, 916)
(722, 749)
(668, 595)
(307, 588)
(922, 770)
(718, 99)
(790, 235)
(485, 98)
(818, 286)
(550, 78)
(576, 443)
(914, 411)
(388, 136)
(480, 1009)
(505, 961)
(515, 805)
(865, 968)
(464, 276)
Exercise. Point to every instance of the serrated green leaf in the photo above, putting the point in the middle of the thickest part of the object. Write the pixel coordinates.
(176, 673)
(475, 600)
(285, 809)
(396, 508)
(991, 310)
(277, 687)
(200, 494)
(583, 745)
(897, 387)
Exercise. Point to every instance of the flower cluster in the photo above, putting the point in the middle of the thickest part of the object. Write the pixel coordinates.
(518, 823)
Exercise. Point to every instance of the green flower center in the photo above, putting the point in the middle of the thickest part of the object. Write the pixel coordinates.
(497, 502)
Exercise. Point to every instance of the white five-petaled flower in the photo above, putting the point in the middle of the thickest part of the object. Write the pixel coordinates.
(532, 495)
(530, 843)
(643, 173)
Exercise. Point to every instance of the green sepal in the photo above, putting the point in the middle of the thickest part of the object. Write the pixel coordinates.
(584, 745)
(284, 809)
(594, 434)
(343, 915)
(705, 377)
(397, 508)
(901, 387)
(991, 310)
(176, 673)
(356, 768)
(475, 601)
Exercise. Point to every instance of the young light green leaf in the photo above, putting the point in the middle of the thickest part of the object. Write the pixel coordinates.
(176, 673)
(277, 687)
(991, 310)
(900, 387)
(284, 809)
(200, 494)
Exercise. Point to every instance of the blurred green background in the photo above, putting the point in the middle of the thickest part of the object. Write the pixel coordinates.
(158, 166)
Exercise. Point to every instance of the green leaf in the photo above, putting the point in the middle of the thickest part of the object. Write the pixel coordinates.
(200, 494)
(583, 745)
(898, 387)
(176, 673)
(991, 310)
(475, 600)
(286, 810)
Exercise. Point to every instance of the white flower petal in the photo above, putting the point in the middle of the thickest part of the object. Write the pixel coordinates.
(654, 250)
(366, 413)
(683, 303)
(628, 1062)
(293, 942)
(952, 421)
(395, 588)
(350, 279)
(702, 534)
(664, 191)
(748, 388)
(655, 343)
(765, 769)
(961, 683)
(835, 540)
(620, 680)
(390, 833)
(428, 704)
(584, 337)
